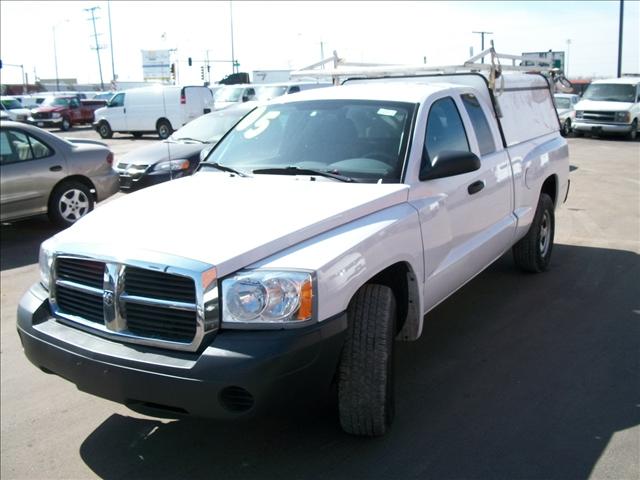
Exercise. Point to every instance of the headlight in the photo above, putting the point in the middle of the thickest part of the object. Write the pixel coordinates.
(171, 165)
(271, 297)
(623, 117)
(55, 115)
(136, 169)
(579, 113)
(45, 260)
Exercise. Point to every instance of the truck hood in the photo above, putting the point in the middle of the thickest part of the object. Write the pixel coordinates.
(49, 109)
(160, 151)
(224, 220)
(603, 106)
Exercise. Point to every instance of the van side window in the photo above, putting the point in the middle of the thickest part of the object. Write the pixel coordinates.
(294, 89)
(445, 132)
(480, 124)
(117, 101)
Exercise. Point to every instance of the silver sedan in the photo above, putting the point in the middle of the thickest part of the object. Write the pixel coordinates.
(42, 173)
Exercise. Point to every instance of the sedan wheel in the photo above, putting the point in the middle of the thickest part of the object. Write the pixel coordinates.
(69, 202)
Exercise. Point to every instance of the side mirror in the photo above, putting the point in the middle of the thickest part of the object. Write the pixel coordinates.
(449, 163)
(245, 98)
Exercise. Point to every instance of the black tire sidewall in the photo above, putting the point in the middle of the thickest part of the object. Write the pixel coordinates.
(104, 130)
(165, 124)
(65, 125)
(544, 204)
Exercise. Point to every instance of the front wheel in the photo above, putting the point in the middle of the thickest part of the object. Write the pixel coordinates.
(104, 130)
(566, 128)
(533, 252)
(69, 202)
(365, 381)
(633, 133)
(65, 125)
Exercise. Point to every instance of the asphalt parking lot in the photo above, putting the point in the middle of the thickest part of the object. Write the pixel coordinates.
(515, 376)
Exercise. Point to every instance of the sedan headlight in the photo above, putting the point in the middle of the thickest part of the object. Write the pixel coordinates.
(55, 115)
(267, 297)
(623, 117)
(45, 260)
(579, 113)
(171, 166)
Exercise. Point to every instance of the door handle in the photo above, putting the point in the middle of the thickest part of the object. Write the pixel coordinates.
(55, 168)
(124, 110)
(475, 187)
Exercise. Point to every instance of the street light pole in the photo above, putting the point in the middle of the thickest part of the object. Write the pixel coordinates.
(233, 55)
(55, 58)
(113, 68)
(620, 38)
(566, 60)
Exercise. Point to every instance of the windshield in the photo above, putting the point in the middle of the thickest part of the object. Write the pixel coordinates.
(610, 92)
(362, 139)
(55, 102)
(563, 102)
(232, 94)
(267, 93)
(211, 127)
(11, 103)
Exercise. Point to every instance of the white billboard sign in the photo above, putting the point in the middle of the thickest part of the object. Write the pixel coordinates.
(156, 65)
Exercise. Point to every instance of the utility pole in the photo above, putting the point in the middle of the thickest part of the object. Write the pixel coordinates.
(566, 60)
(97, 48)
(620, 38)
(233, 56)
(113, 68)
(482, 34)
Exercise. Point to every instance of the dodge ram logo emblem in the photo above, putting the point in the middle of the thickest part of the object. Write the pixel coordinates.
(107, 298)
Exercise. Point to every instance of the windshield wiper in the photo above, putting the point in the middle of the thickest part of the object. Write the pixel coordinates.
(189, 139)
(224, 168)
(302, 171)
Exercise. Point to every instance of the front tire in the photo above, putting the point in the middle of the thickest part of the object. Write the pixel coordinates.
(69, 201)
(365, 383)
(65, 126)
(104, 130)
(566, 128)
(533, 252)
(633, 133)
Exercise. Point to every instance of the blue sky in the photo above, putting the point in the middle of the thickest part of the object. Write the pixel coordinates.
(282, 35)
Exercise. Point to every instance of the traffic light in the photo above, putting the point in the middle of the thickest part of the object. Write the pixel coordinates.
(202, 72)
(190, 61)
(173, 71)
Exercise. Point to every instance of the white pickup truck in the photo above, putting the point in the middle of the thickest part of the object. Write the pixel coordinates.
(320, 229)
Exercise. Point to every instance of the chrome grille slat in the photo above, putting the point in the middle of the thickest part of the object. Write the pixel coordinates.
(146, 303)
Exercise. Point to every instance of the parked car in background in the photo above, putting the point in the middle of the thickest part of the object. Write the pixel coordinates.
(43, 173)
(266, 92)
(565, 106)
(64, 112)
(180, 154)
(161, 109)
(609, 106)
(14, 109)
(232, 94)
(31, 101)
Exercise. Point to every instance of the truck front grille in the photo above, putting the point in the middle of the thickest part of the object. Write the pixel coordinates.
(129, 301)
(604, 117)
(41, 115)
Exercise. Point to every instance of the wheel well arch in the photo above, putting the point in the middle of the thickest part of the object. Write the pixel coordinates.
(163, 119)
(550, 187)
(401, 279)
(74, 178)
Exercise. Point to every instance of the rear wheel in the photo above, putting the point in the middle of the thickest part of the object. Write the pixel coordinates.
(365, 383)
(533, 252)
(104, 129)
(633, 133)
(69, 201)
(164, 129)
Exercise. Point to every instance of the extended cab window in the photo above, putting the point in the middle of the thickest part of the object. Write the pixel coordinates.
(74, 103)
(18, 146)
(480, 123)
(117, 100)
(445, 132)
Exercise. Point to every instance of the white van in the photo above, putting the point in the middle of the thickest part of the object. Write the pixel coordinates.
(160, 109)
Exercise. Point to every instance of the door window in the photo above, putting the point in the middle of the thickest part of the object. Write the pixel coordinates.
(74, 103)
(480, 124)
(18, 146)
(117, 100)
(445, 132)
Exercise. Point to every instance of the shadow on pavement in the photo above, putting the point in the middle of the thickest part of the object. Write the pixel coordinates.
(20, 241)
(515, 376)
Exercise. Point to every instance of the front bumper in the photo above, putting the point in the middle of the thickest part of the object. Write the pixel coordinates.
(240, 374)
(45, 122)
(130, 183)
(582, 126)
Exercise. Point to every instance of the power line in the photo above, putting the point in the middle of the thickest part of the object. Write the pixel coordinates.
(97, 48)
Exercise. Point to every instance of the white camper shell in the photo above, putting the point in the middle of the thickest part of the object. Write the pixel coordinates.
(161, 109)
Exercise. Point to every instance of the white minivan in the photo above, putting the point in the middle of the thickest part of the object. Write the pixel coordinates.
(161, 109)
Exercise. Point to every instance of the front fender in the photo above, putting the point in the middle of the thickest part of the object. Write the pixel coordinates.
(347, 257)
